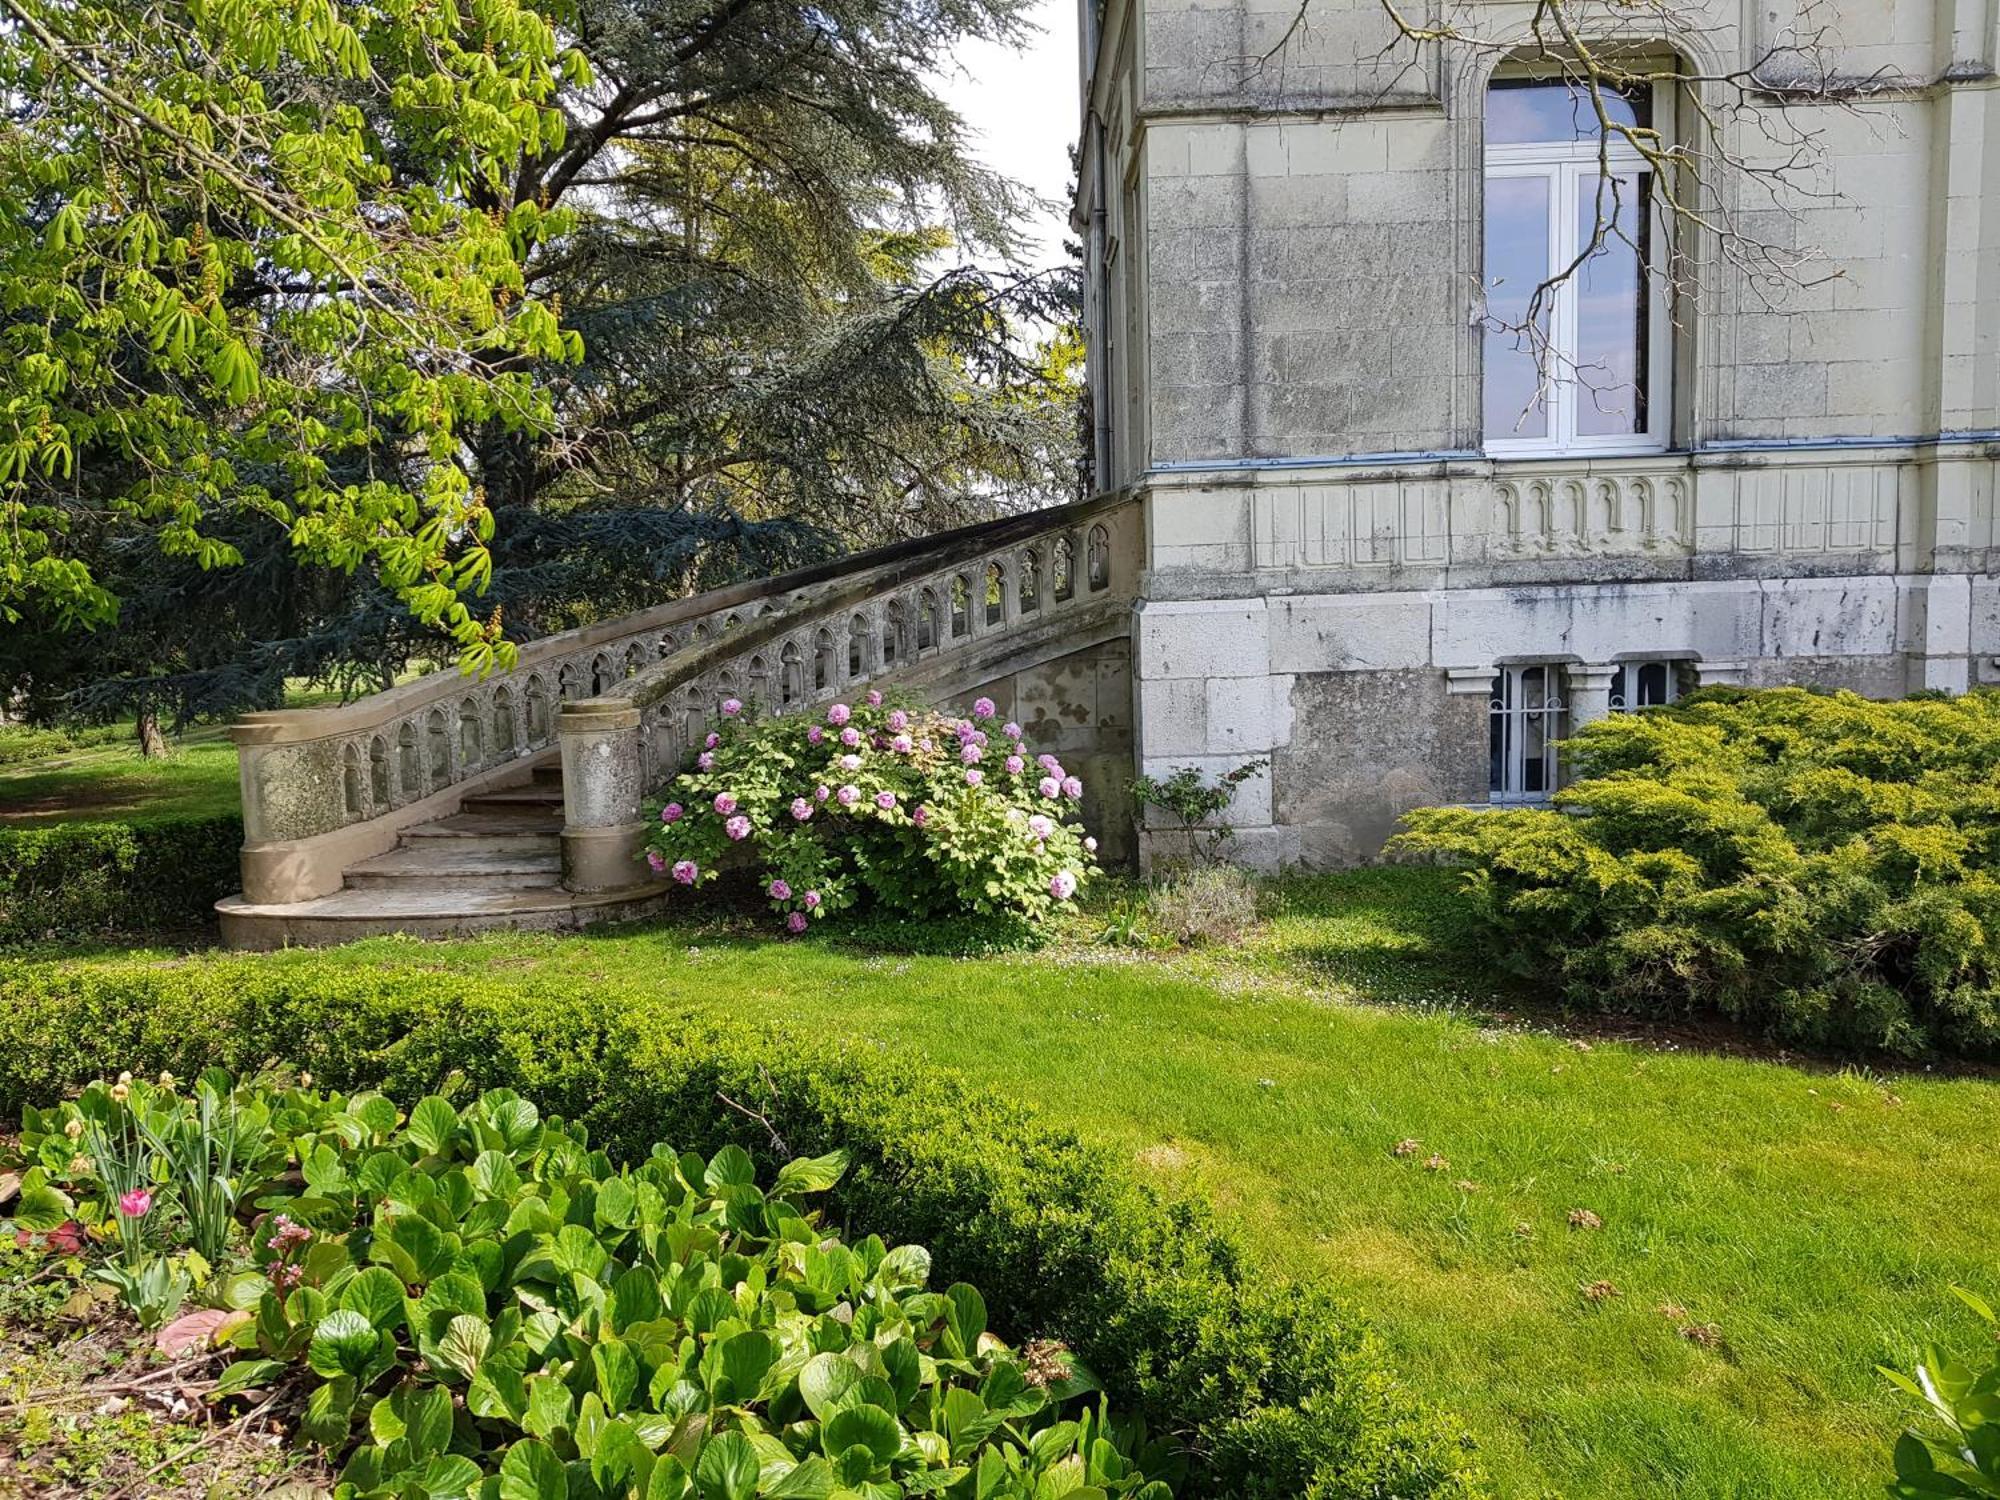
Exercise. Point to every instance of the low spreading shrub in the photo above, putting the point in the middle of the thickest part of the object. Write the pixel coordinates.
(1822, 866)
(69, 880)
(1203, 904)
(915, 812)
(1274, 1390)
(472, 1298)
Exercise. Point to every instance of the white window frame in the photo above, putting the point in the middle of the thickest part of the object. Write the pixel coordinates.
(1506, 713)
(1573, 170)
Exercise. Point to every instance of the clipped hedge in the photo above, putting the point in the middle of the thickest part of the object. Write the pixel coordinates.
(70, 880)
(1819, 865)
(1276, 1389)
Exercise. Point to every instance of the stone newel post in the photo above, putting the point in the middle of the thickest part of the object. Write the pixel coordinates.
(602, 782)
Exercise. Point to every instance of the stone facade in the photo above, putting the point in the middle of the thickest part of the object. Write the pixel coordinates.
(1285, 257)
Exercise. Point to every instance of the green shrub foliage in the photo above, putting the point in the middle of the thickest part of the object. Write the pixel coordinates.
(22, 743)
(1821, 866)
(924, 814)
(472, 1300)
(1274, 1390)
(88, 879)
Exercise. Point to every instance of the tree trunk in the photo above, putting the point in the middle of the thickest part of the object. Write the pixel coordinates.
(152, 744)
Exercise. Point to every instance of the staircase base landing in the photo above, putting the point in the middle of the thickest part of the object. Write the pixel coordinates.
(443, 910)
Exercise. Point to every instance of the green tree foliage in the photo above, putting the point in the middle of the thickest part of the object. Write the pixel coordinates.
(1819, 865)
(755, 232)
(263, 257)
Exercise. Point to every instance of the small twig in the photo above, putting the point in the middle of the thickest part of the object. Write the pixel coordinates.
(195, 1447)
(777, 1141)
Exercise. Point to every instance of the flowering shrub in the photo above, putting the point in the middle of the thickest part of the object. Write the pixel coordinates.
(924, 813)
(472, 1300)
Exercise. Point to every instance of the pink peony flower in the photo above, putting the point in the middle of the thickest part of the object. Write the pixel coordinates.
(1072, 788)
(1040, 826)
(713, 740)
(796, 922)
(1011, 730)
(811, 899)
(848, 795)
(1090, 844)
(1050, 764)
(821, 792)
(1062, 885)
(656, 861)
(686, 871)
(705, 760)
(1015, 765)
(901, 744)
(850, 736)
(814, 735)
(970, 754)
(921, 816)
(731, 707)
(973, 777)
(801, 809)
(724, 803)
(898, 719)
(874, 698)
(737, 828)
(885, 800)
(1048, 786)
(839, 714)
(780, 891)
(671, 813)
(982, 708)
(850, 762)
(136, 1204)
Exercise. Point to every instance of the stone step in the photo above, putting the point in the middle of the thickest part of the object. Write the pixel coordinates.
(530, 799)
(522, 829)
(550, 775)
(464, 861)
(439, 909)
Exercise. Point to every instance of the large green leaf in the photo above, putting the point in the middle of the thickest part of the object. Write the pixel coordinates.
(866, 1426)
(432, 1125)
(824, 1380)
(810, 1174)
(727, 1468)
(964, 1318)
(463, 1346)
(729, 1167)
(531, 1471)
(746, 1359)
(344, 1342)
(375, 1293)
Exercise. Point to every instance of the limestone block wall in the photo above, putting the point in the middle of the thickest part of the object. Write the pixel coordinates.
(1371, 703)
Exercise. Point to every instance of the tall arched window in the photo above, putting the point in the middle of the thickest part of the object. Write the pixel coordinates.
(1098, 559)
(1577, 329)
(1062, 567)
(996, 593)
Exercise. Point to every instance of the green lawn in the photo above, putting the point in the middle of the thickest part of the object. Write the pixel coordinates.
(113, 782)
(1769, 1233)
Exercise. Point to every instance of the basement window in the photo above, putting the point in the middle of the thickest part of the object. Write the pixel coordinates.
(1525, 719)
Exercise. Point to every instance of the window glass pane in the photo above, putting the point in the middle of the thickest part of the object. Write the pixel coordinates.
(1653, 684)
(1517, 262)
(1518, 112)
(1611, 302)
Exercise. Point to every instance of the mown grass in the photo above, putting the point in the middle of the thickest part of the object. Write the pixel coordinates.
(1769, 1231)
(107, 783)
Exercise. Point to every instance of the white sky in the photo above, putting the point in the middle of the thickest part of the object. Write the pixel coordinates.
(1021, 108)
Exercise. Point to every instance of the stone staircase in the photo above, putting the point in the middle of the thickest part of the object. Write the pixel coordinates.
(496, 862)
(456, 804)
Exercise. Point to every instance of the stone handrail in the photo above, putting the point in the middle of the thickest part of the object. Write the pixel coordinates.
(325, 788)
(897, 613)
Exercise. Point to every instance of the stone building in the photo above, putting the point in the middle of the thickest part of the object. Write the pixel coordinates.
(1381, 551)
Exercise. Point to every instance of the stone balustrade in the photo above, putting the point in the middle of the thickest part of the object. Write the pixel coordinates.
(962, 599)
(325, 788)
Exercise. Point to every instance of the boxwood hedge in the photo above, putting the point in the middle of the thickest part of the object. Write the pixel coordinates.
(70, 880)
(1275, 1389)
